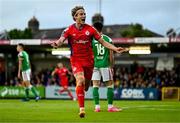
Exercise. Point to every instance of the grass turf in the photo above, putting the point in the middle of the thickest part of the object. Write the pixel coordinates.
(67, 111)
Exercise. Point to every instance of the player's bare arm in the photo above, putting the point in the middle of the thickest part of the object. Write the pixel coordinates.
(111, 58)
(53, 73)
(69, 72)
(19, 68)
(110, 46)
(59, 42)
(124, 50)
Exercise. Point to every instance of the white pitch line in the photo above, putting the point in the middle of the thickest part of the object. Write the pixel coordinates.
(162, 109)
(146, 106)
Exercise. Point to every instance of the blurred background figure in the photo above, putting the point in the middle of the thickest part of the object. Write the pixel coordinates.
(24, 72)
(62, 73)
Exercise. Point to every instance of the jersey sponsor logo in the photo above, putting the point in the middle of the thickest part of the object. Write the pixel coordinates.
(100, 57)
(87, 32)
(81, 41)
(62, 74)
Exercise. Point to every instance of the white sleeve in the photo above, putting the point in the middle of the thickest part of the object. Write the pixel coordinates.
(20, 54)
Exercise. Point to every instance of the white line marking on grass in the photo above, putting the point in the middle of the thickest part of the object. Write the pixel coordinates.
(145, 106)
(162, 109)
(153, 107)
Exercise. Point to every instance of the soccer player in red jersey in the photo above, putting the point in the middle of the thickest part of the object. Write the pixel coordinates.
(62, 72)
(79, 36)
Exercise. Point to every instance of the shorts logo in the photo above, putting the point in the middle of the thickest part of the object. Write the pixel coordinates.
(87, 32)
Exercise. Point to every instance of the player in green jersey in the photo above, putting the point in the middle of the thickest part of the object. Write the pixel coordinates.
(25, 69)
(103, 63)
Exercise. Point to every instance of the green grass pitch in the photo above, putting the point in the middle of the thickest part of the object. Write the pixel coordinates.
(67, 111)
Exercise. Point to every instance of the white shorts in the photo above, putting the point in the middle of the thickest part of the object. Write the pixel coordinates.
(26, 75)
(106, 74)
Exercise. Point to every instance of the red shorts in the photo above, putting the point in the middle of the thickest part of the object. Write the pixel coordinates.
(64, 82)
(85, 66)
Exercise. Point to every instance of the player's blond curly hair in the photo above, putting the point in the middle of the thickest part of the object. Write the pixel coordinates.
(75, 9)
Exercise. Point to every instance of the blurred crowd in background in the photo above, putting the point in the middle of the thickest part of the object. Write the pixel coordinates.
(124, 77)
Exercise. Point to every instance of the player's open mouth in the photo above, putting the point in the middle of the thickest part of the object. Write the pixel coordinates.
(83, 20)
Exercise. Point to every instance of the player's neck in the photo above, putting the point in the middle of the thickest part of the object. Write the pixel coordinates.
(79, 25)
(20, 50)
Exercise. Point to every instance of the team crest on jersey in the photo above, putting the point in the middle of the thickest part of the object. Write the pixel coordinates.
(87, 32)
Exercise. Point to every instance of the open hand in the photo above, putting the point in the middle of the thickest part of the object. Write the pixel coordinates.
(121, 50)
(54, 44)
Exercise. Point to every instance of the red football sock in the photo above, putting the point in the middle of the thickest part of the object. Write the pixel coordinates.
(70, 94)
(80, 95)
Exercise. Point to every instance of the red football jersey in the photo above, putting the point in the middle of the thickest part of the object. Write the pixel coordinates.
(80, 40)
(62, 73)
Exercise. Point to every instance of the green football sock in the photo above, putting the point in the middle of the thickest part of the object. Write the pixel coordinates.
(110, 95)
(96, 95)
(27, 92)
(34, 91)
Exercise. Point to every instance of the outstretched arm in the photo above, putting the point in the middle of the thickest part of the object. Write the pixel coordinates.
(53, 73)
(112, 47)
(59, 42)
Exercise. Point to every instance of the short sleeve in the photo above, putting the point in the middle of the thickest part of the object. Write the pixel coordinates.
(110, 40)
(56, 70)
(96, 34)
(20, 55)
(107, 38)
(65, 33)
